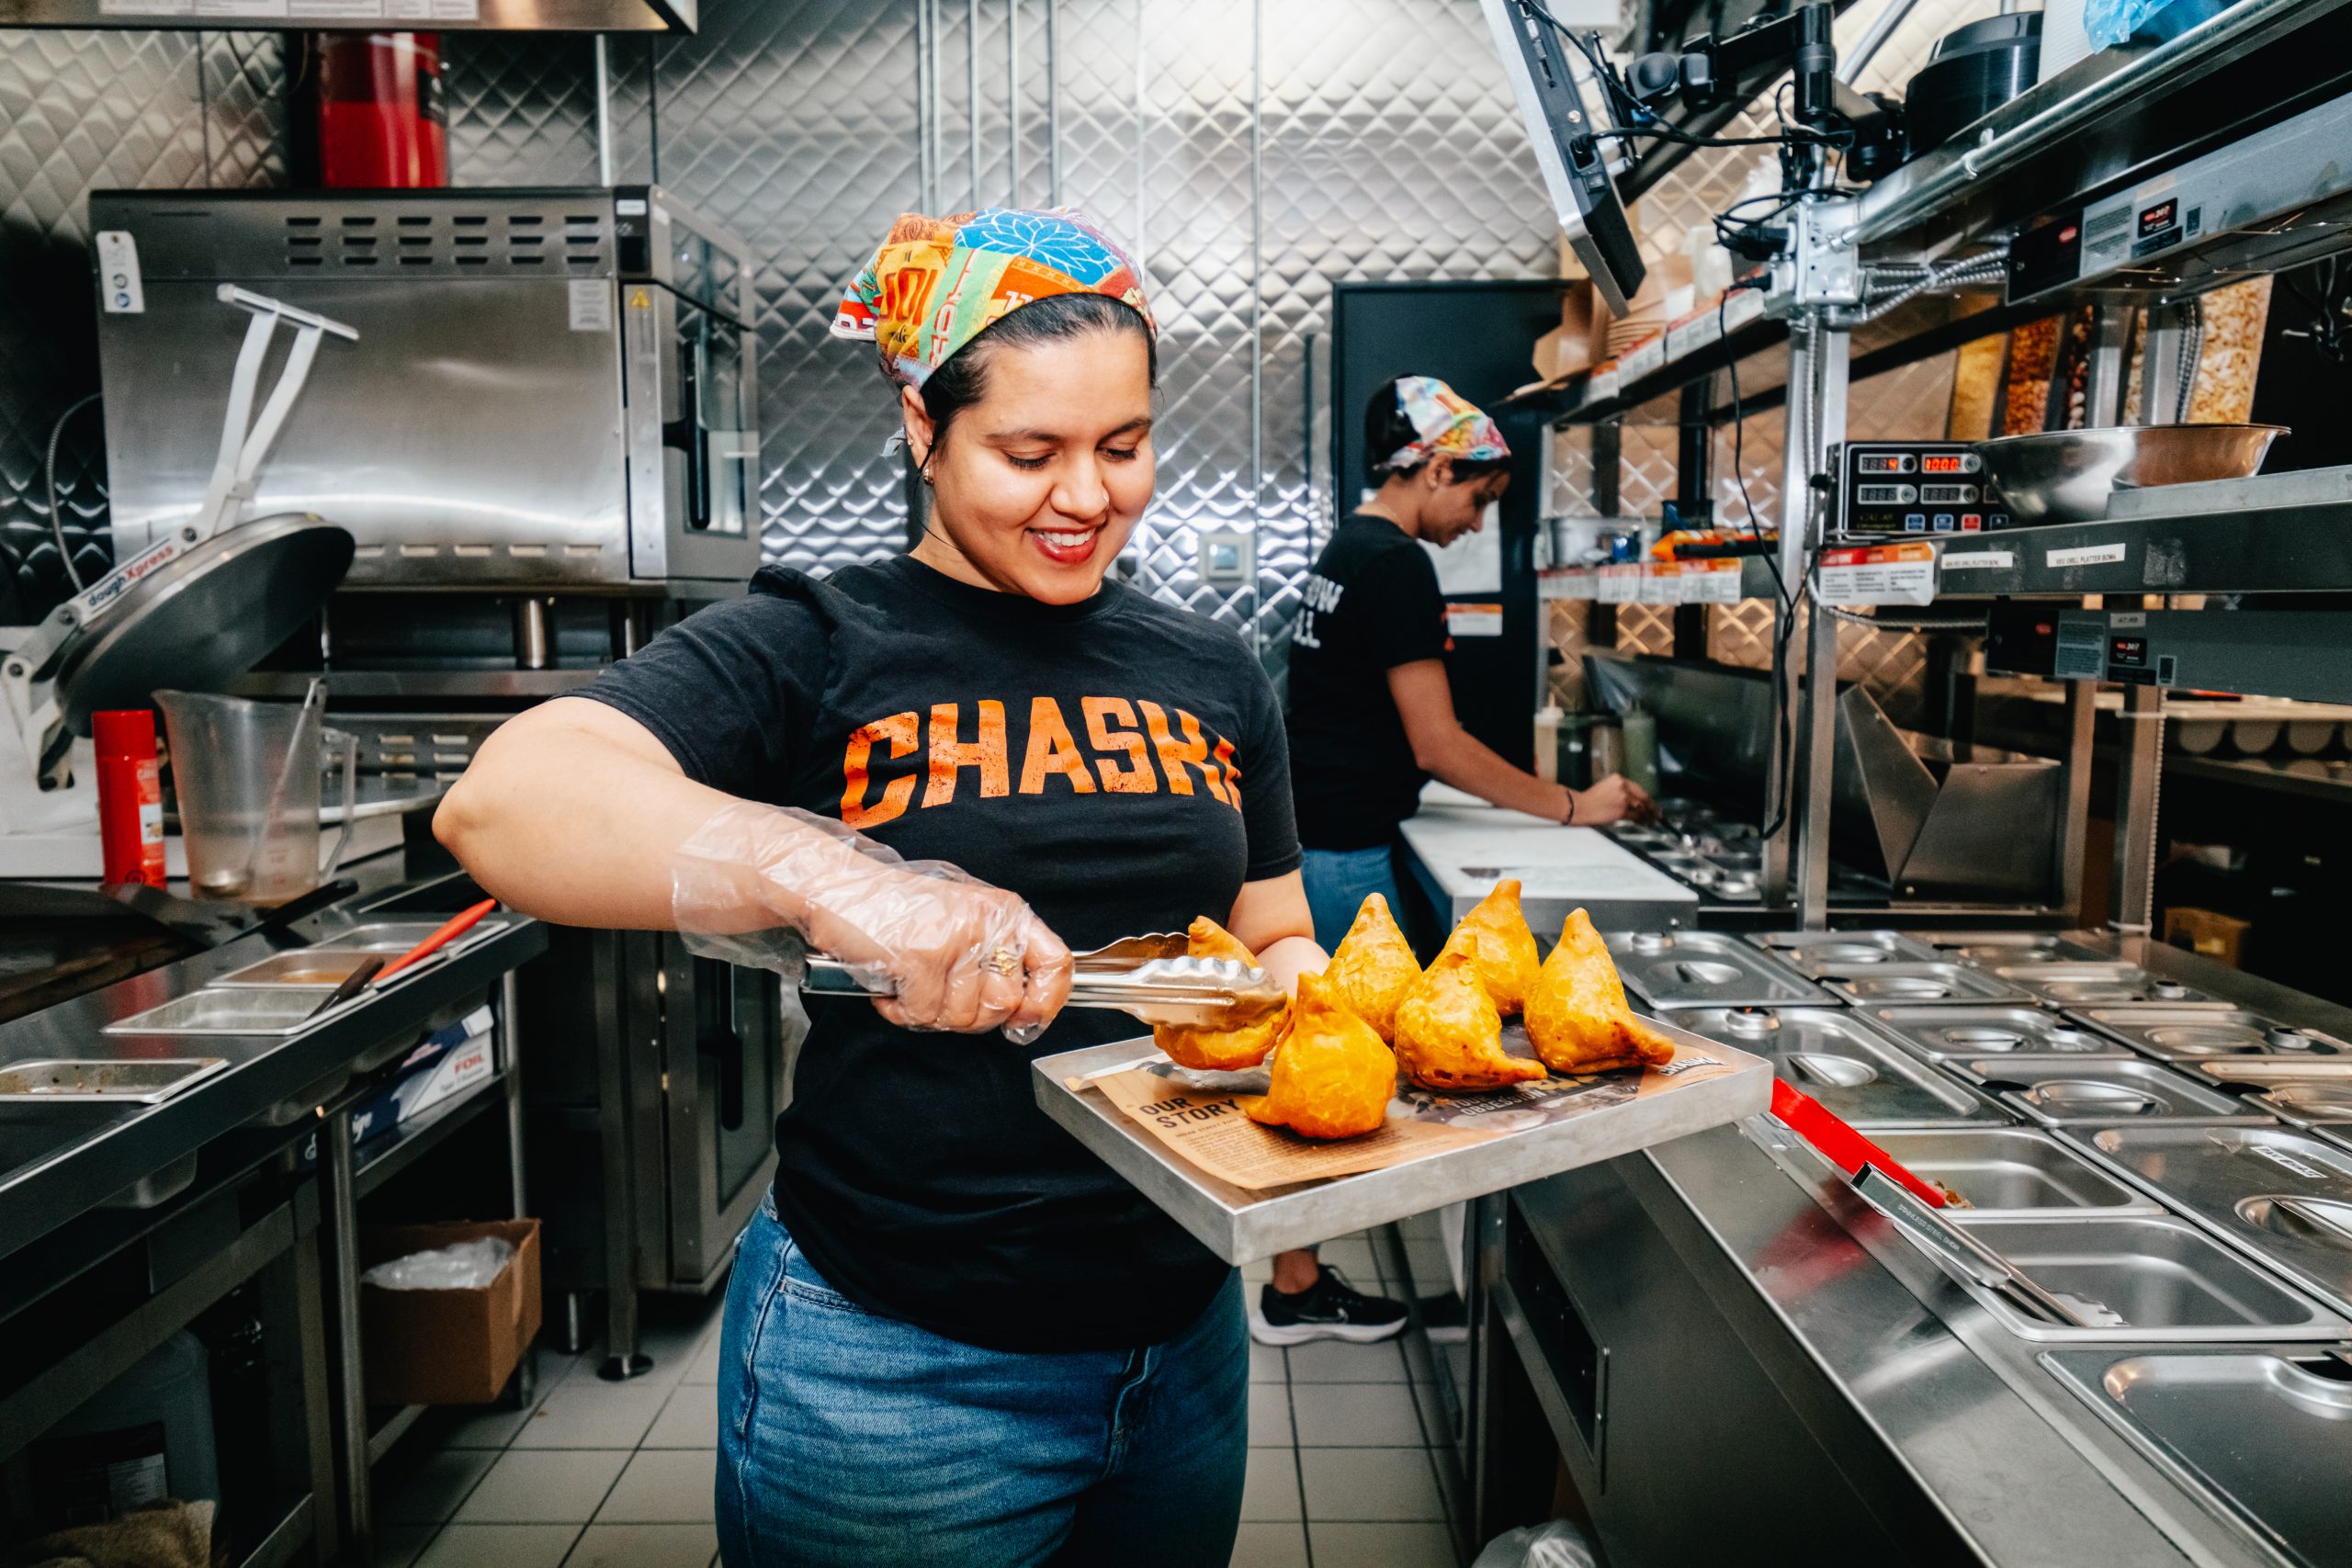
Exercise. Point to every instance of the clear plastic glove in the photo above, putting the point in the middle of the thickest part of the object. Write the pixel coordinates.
(762, 885)
(1614, 799)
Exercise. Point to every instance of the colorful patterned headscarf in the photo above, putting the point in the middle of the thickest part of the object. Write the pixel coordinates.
(1449, 425)
(937, 283)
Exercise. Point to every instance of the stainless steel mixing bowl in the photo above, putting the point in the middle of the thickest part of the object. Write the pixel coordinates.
(2067, 476)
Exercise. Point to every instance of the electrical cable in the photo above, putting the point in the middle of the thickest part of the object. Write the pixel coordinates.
(48, 473)
(1906, 623)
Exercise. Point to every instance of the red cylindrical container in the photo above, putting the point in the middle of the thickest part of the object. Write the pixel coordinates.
(130, 796)
(381, 122)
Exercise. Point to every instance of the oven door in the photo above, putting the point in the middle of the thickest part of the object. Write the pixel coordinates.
(724, 1031)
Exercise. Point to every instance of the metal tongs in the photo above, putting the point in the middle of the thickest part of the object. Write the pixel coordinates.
(1154, 978)
(1971, 1263)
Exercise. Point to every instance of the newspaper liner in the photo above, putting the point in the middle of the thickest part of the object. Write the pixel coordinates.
(1197, 1116)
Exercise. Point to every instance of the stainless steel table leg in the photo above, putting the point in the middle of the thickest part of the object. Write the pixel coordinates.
(310, 1293)
(339, 1202)
(510, 1061)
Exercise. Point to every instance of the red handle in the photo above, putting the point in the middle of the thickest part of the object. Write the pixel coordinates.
(1843, 1147)
(449, 934)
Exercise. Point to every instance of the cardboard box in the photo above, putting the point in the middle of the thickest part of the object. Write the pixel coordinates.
(1581, 338)
(2206, 934)
(448, 1346)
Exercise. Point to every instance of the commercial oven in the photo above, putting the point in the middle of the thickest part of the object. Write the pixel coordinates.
(551, 388)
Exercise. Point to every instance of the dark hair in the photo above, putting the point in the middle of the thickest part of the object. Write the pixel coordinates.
(963, 379)
(1387, 432)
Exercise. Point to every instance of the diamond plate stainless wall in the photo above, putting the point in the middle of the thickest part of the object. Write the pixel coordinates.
(794, 122)
(79, 111)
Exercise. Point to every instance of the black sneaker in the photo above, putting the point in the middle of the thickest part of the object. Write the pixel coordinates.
(1329, 1309)
(1444, 1319)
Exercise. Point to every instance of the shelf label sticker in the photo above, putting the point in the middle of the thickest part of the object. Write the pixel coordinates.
(2125, 620)
(2085, 555)
(1475, 620)
(1979, 560)
(146, 7)
(1642, 358)
(1711, 581)
(1620, 583)
(1566, 582)
(2081, 652)
(1661, 582)
(1878, 574)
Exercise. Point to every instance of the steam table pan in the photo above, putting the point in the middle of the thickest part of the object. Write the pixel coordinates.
(2103, 984)
(2265, 1434)
(1819, 953)
(2142, 1277)
(1992, 948)
(1919, 983)
(2059, 1091)
(2011, 1173)
(1857, 1074)
(2278, 1193)
(1963, 1033)
(1700, 969)
(2178, 1035)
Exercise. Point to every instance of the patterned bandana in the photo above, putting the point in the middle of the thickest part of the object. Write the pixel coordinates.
(1450, 425)
(938, 282)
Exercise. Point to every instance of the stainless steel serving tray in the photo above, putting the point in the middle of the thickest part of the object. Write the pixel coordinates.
(2278, 1193)
(2192, 1034)
(1947, 1033)
(1242, 1225)
(1836, 1056)
(142, 1081)
(2317, 1105)
(2263, 1435)
(1702, 969)
(2013, 947)
(1820, 953)
(2165, 1279)
(2011, 1173)
(226, 1011)
(2103, 984)
(2063, 1091)
(1919, 984)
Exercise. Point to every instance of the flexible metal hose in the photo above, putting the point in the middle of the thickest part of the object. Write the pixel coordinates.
(49, 475)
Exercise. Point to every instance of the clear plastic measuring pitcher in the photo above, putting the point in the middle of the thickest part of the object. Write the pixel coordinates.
(248, 779)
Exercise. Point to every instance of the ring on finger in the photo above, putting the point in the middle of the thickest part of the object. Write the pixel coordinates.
(1003, 961)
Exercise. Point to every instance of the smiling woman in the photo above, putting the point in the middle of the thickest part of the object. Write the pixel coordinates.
(952, 1335)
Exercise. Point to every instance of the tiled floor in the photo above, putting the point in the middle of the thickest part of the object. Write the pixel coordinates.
(604, 1476)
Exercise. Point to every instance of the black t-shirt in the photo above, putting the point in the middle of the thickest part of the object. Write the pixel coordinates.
(1370, 604)
(1120, 764)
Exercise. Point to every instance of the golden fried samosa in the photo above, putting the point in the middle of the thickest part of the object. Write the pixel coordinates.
(1576, 1015)
(1500, 946)
(1331, 1075)
(1220, 1050)
(1449, 1035)
(1373, 967)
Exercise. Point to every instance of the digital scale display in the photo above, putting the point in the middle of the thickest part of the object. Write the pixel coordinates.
(1869, 506)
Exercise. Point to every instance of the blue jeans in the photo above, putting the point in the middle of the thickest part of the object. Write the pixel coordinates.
(853, 1440)
(1337, 882)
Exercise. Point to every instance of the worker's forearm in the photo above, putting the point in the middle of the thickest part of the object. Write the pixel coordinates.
(567, 827)
(1469, 765)
(1293, 955)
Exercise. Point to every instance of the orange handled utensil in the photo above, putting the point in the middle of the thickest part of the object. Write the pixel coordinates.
(1839, 1144)
(456, 927)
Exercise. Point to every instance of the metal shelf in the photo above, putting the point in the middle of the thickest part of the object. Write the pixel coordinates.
(378, 1161)
(2107, 120)
(2280, 549)
(1917, 331)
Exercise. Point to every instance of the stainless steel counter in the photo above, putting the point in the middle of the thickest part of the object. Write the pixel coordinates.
(1726, 1342)
(59, 1161)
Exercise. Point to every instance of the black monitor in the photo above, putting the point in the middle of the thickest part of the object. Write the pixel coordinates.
(1564, 107)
